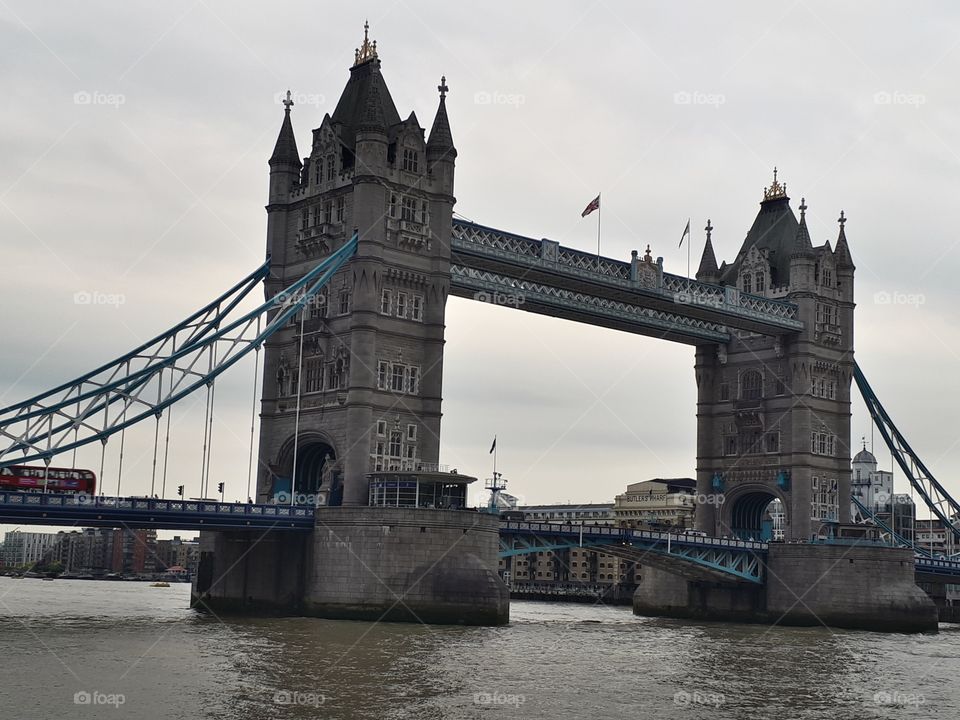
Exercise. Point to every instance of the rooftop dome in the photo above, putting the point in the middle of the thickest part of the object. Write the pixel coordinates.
(865, 456)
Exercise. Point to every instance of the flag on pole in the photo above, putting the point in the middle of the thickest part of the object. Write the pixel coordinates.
(686, 233)
(494, 446)
(594, 205)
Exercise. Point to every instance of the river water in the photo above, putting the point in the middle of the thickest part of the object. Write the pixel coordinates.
(82, 649)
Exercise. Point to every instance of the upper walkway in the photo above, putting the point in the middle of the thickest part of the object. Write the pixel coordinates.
(544, 277)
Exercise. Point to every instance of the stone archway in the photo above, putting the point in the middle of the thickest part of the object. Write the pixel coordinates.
(748, 515)
(316, 479)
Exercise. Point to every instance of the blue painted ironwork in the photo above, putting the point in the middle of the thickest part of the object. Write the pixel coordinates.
(507, 257)
(708, 557)
(934, 495)
(887, 533)
(144, 382)
(139, 512)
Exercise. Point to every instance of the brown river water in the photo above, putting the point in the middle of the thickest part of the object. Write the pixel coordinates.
(81, 649)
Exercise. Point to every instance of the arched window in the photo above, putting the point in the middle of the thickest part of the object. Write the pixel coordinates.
(751, 385)
(747, 283)
(761, 282)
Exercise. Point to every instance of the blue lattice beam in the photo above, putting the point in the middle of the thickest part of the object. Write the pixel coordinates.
(144, 382)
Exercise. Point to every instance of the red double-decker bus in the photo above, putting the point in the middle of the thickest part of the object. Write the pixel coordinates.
(59, 480)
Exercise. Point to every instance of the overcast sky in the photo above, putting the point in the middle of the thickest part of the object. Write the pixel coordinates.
(135, 139)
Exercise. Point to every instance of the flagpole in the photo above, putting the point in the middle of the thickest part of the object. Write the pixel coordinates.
(689, 243)
(494, 459)
(599, 210)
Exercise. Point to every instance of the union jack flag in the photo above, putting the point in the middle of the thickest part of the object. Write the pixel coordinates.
(594, 205)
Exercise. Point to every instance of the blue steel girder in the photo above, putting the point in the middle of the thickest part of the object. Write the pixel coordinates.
(557, 302)
(544, 262)
(143, 383)
(80, 510)
(693, 557)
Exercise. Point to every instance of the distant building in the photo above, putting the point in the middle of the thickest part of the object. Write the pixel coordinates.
(178, 553)
(26, 548)
(590, 513)
(872, 487)
(933, 535)
(658, 504)
(82, 552)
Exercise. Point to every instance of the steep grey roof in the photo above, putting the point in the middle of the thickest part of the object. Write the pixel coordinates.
(441, 139)
(365, 103)
(285, 151)
(708, 261)
(775, 230)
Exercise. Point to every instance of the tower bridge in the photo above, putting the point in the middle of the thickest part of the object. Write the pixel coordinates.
(363, 252)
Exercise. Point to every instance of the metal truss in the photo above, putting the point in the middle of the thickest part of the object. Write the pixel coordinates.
(724, 305)
(934, 495)
(147, 380)
(501, 289)
(695, 557)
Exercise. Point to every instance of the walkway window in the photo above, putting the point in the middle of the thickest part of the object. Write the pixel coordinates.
(751, 385)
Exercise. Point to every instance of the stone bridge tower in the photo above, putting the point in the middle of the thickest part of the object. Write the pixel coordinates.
(773, 414)
(354, 385)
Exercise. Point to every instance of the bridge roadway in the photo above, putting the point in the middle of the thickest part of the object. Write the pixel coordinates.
(694, 557)
(19, 508)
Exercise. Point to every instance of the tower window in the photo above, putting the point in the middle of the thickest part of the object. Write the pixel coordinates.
(401, 305)
(396, 443)
(381, 429)
(393, 205)
(416, 308)
(751, 385)
(724, 392)
(408, 209)
(761, 282)
(330, 167)
(318, 176)
(327, 211)
(413, 385)
(383, 373)
(747, 283)
(412, 433)
(385, 301)
(313, 372)
(410, 160)
(304, 219)
(396, 383)
(341, 207)
(344, 308)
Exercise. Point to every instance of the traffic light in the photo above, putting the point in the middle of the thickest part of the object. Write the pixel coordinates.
(180, 490)
(220, 488)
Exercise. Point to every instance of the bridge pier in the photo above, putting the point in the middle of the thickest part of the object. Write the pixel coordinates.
(361, 563)
(868, 588)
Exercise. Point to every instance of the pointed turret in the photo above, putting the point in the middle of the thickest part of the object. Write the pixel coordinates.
(440, 144)
(842, 253)
(708, 270)
(802, 245)
(285, 151)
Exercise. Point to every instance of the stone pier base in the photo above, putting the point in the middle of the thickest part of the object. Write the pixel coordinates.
(432, 566)
(361, 563)
(870, 588)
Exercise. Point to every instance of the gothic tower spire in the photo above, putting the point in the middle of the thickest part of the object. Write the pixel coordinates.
(708, 270)
(285, 151)
(440, 143)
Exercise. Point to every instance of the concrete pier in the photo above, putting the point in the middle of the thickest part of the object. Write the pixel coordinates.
(844, 586)
(361, 563)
